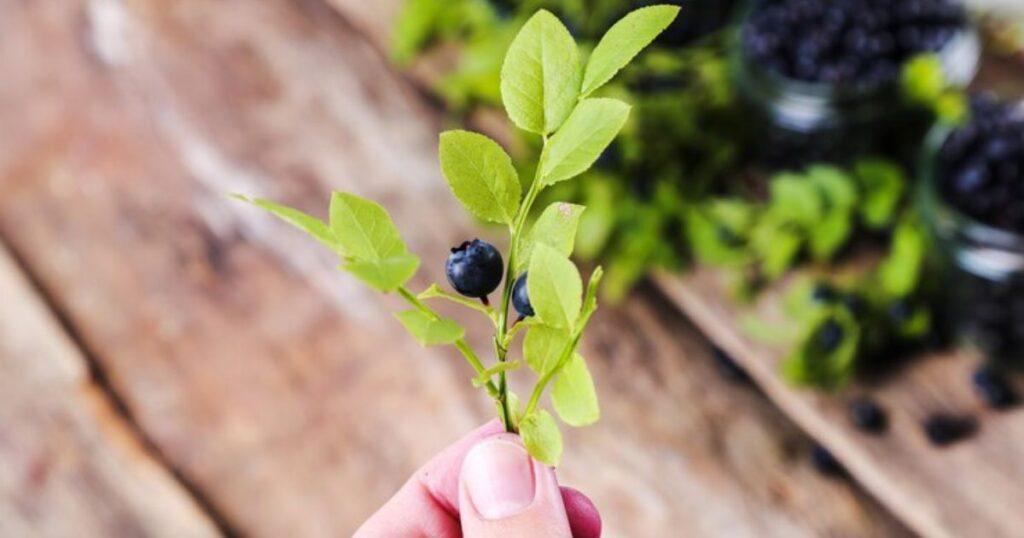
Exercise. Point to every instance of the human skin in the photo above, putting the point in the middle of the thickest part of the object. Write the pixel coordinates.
(484, 485)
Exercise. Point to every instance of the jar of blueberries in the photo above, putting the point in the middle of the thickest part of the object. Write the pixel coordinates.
(821, 77)
(972, 194)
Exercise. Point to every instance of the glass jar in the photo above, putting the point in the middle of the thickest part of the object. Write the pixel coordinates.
(796, 122)
(981, 269)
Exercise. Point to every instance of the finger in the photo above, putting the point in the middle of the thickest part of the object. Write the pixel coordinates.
(427, 505)
(505, 492)
(584, 519)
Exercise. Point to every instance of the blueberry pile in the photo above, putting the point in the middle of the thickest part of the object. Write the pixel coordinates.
(862, 42)
(981, 165)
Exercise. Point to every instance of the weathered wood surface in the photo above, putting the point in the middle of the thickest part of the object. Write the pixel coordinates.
(275, 386)
(972, 488)
(71, 466)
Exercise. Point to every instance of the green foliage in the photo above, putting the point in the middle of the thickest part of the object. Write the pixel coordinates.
(480, 175)
(882, 184)
(924, 84)
(430, 330)
(811, 364)
(900, 272)
(540, 79)
(586, 134)
(540, 86)
(623, 42)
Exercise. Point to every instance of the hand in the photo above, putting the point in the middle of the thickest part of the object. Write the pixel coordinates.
(485, 486)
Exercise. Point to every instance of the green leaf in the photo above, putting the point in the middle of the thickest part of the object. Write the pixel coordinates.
(590, 299)
(900, 271)
(777, 246)
(541, 436)
(573, 395)
(809, 364)
(387, 274)
(555, 287)
(480, 175)
(540, 78)
(922, 79)
(364, 230)
(556, 227)
(430, 331)
(883, 184)
(313, 226)
(623, 42)
(839, 189)
(831, 234)
(543, 347)
(435, 291)
(591, 127)
(795, 199)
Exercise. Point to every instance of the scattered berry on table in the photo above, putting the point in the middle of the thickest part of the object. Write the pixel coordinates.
(474, 268)
(861, 42)
(944, 429)
(825, 463)
(829, 336)
(867, 415)
(728, 367)
(993, 388)
(521, 297)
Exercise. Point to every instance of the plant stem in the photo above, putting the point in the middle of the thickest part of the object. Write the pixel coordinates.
(542, 383)
(459, 344)
(500, 339)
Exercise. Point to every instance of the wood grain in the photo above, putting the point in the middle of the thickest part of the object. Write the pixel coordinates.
(279, 388)
(71, 466)
(972, 488)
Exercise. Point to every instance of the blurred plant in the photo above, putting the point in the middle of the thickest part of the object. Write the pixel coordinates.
(924, 84)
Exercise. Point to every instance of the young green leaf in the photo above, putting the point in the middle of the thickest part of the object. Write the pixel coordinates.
(900, 271)
(795, 199)
(387, 274)
(555, 287)
(480, 175)
(839, 189)
(541, 436)
(556, 227)
(573, 395)
(591, 127)
(313, 226)
(540, 78)
(543, 347)
(429, 331)
(883, 184)
(364, 230)
(831, 234)
(590, 299)
(623, 41)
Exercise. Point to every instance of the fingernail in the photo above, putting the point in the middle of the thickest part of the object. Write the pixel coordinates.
(499, 478)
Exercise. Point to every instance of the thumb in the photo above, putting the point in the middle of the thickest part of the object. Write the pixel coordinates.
(504, 492)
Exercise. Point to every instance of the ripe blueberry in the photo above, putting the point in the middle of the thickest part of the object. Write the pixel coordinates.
(825, 462)
(944, 429)
(829, 336)
(474, 268)
(993, 388)
(521, 297)
(868, 415)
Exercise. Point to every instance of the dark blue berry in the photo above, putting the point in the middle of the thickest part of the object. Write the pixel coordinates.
(868, 415)
(825, 463)
(728, 367)
(900, 311)
(993, 388)
(829, 336)
(474, 268)
(823, 293)
(943, 429)
(521, 297)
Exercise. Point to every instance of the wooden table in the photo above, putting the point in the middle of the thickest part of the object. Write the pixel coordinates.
(175, 363)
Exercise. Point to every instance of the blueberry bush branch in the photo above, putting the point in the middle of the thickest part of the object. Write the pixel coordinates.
(547, 91)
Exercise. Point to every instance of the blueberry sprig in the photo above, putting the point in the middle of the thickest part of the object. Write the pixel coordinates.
(546, 91)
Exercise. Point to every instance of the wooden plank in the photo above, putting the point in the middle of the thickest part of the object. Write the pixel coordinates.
(280, 389)
(71, 466)
(972, 488)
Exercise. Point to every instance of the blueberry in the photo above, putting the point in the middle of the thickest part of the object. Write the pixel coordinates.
(728, 367)
(943, 429)
(868, 415)
(993, 388)
(823, 293)
(825, 463)
(971, 178)
(521, 297)
(829, 336)
(474, 268)
(900, 311)
(853, 303)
